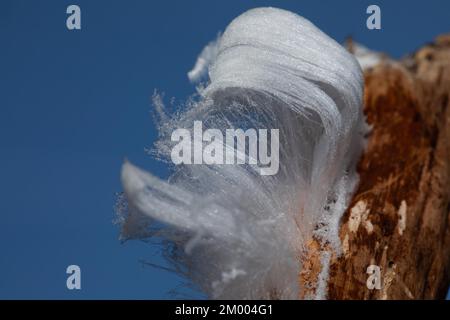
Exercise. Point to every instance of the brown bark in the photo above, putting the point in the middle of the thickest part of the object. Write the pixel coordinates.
(398, 218)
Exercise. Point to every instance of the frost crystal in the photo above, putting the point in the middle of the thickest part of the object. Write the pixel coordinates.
(231, 231)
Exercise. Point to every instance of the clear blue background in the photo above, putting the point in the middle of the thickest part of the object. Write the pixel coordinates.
(74, 104)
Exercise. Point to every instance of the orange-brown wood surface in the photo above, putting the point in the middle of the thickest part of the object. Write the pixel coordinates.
(398, 218)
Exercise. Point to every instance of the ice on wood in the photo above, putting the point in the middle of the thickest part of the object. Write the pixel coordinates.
(231, 231)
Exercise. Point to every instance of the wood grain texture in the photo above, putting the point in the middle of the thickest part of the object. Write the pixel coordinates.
(399, 216)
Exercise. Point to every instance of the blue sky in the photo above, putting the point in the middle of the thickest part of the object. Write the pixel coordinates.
(74, 104)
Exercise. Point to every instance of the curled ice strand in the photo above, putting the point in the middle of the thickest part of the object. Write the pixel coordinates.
(204, 60)
(232, 232)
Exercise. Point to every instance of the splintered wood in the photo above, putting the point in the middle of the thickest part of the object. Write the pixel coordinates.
(398, 219)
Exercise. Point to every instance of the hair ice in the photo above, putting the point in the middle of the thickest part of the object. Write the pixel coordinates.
(236, 234)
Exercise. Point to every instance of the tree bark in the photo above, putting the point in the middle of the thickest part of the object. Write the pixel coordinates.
(398, 218)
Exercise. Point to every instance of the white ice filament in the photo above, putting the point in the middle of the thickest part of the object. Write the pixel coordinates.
(235, 233)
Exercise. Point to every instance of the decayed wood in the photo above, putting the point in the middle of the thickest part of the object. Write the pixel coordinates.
(399, 216)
